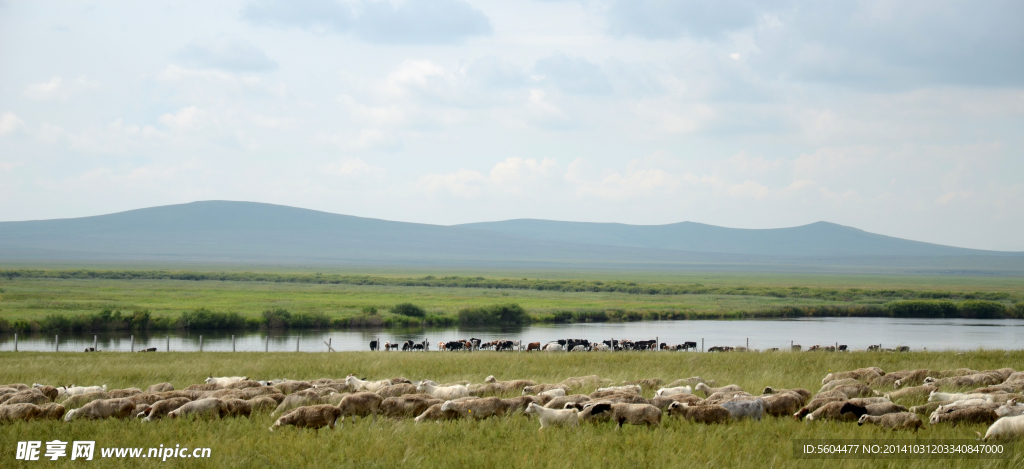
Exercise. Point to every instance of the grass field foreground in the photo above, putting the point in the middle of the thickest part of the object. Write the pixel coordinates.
(512, 441)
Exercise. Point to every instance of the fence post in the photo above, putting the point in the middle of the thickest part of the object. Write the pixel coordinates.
(200, 342)
(94, 343)
(657, 343)
(168, 342)
(133, 343)
(56, 343)
(267, 348)
(748, 344)
(15, 341)
(297, 343)
(702, 345)
(232, 342)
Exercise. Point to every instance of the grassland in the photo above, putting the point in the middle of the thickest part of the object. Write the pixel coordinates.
(499, 442)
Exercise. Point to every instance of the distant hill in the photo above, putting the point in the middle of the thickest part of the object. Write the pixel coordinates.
(248, 232)
(816, 239)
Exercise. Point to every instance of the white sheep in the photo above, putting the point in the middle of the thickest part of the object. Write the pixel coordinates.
(447, 392)
(1010, 409)
(665, 392)
(225, 380)
(65, 392)
(357, 384)
(1005, 428)
(550, 417)
(745, 409)
(628, 388)
(945, 396)
(553, 393)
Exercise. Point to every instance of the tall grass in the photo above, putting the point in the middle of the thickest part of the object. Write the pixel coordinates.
(498, 442)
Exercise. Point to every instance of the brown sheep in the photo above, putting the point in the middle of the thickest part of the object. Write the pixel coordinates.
(539, 388)
(489, 389)
(408, 405)
(476, 408)
(434, 412)
(972, 381)
(726, 396)
(647, 384)
(664, 401)
(160, 409)
(915, 392)
(782, 404)
(700, 414)
(396, 390)
(691, 381)
(16, 386)
(895, 421)
(51, 411)
(237, 408)
(1007, 387)
(297, 399)
(102, 409)
(160, 387)
(119, 393)
(855, 390)
(833, 411)
(289, 387)
(203, 387)
(708, 391)
(314, 416)
(610, 392)
(838, 382)
(912, 378)
(623, 398)
(633, 414)
(360, 404)
(248, 383)
(578, 382)
(10, 413)
(49, 391)
(985, 415)
(263, 404)
(864, 375)
(768, 390)
(820, 400)
(28, 396)
(519, 403)
(928, 408)
(249, 393)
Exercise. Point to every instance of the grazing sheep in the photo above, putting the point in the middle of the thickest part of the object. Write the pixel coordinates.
(745, 409)
(629, 388)
(357, 384)
(519, 403)
(551, 417)
(708, 391)
(838, 382)
(10, 413)
(952, 405)
(911, 393)
(929, 407)
(967, 381)
(64, 392)
(263, 403)
(288, 387)
(102, 409)
(28, 396)
(832, 411)
(476, 408)
(50, 392)
(663, 402)
(249, 393)
(209, 407)
(360, 404)
(700, 414)
(203, 387)
(396, 390)
(160, 387)
(160, 409)
(1005, 428)
(782, 404)
(298, 399)
(691, 381)
(615, 392)
(488, 389)
(237, 408)
(559, 402)
(407, 406)
(726, 396)
(19, 386)
(80, 400)
(539, 388)
(854, 390)
(945, 396)
(314, 416)
(1008, 387)
(434, 412)
(966, 415)
(664, 392)
(895, 421)
(863, 375)
(578, 382)
(633, 414)
(51, 411)
(119, 393)
(443, 392)
(1010, 409)
(225, 380)
(553, 393)
(871, 409)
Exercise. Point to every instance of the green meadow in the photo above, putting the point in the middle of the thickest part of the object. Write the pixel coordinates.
(510, 441)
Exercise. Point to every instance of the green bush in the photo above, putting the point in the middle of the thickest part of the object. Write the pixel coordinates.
(409, 309)
(369, 310)
(922, 309)
(277, 318)
(980, 309)
(496, 314)
(203, 318)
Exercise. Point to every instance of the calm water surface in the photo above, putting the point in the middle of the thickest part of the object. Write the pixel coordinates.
(857, 333)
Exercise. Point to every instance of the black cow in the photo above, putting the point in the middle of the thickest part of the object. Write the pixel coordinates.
(407, 345)
(151, 349)
(373, 345)
(689, 345)
(503, 345)
(475, 342)
(843, 348)
(91, 349)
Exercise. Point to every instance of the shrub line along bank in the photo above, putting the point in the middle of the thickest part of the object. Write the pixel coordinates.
(409, 315)
(615, 286)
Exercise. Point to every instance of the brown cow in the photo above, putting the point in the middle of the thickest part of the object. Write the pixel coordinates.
(533, 346)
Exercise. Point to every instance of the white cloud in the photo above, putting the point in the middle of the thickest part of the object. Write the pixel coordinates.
(228, 53)
(354, 167)
(188, 118)
(9, 122)
(59, 89)
(462, 183)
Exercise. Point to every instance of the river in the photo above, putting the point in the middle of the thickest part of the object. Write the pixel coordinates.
(856, 333)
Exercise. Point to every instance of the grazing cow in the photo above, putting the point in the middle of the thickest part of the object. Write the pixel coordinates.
(533, 346)
(91, 349)
(373, 345)
(407, 345)
(690, 345)
(474, 344)
(874, 348)
(903, 348)
(151, 349)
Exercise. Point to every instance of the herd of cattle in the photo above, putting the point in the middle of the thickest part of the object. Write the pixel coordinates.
(561, 345)
(865, 396)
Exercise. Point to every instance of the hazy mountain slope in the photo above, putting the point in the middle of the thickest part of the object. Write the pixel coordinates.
(816, 239)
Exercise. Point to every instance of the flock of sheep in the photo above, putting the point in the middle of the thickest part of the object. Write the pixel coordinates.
(865, 396)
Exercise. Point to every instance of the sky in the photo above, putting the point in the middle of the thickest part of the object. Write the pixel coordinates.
(904, 118)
